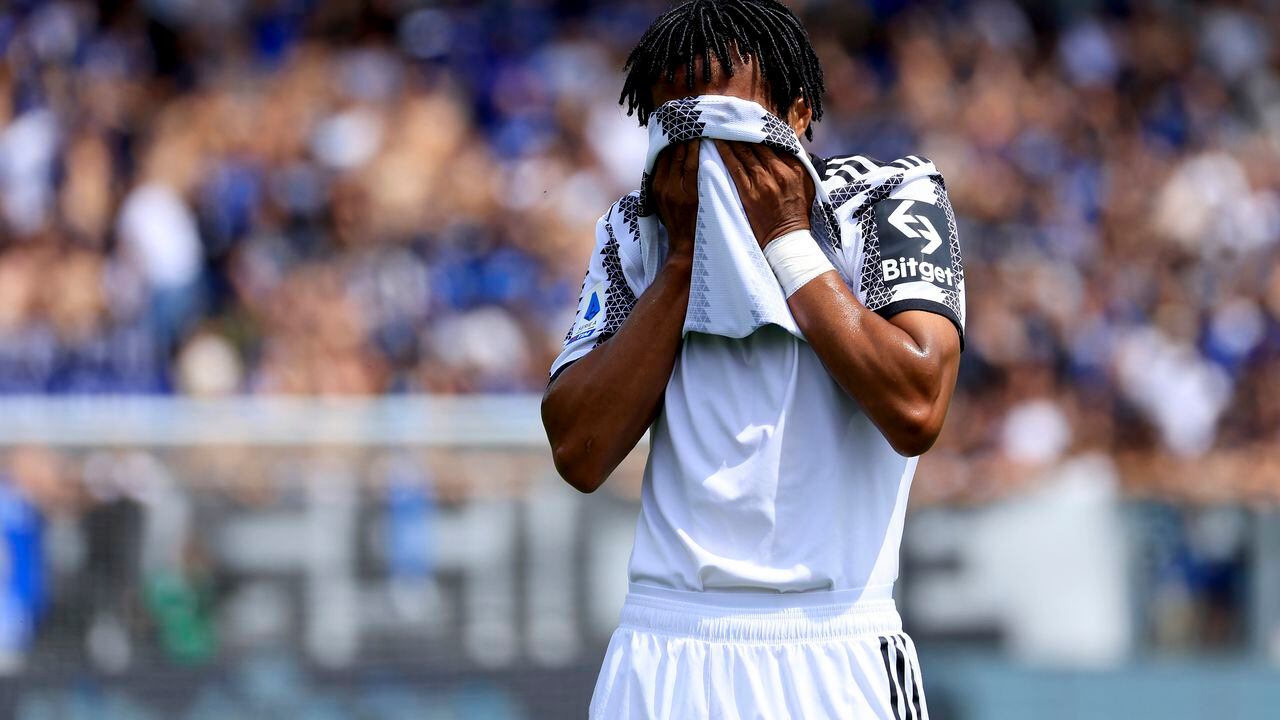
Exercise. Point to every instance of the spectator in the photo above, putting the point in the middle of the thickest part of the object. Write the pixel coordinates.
(354, 200)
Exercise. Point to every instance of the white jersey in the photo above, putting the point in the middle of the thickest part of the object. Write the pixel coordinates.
(763, 475)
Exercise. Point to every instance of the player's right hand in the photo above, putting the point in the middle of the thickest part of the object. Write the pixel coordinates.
(675, 195)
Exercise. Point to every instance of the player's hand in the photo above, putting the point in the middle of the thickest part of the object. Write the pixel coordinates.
(775, 188)
(675, 194)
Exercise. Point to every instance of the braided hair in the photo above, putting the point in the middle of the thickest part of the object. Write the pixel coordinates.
(765, 31)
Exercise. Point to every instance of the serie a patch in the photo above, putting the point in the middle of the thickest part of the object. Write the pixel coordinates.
(592, 313)
(914, 246)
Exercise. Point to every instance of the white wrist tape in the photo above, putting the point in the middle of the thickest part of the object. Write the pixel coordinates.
(796, 259)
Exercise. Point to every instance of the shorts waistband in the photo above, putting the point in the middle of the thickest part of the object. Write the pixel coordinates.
(761, 617)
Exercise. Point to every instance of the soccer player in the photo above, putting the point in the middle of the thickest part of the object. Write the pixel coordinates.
(779, 468)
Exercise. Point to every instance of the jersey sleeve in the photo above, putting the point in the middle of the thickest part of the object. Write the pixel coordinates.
(607, 296)
(911, 254)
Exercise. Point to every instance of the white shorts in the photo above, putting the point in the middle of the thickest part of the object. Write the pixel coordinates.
(678, 655)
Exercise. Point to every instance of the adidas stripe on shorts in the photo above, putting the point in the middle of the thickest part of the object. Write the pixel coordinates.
(740, 656)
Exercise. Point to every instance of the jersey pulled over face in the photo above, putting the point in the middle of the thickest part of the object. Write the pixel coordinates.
(763, 475)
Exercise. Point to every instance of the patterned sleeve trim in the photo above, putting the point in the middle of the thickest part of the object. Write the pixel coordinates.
(620, 299)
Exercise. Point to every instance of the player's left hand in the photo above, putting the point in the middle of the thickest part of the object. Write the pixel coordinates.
(775, 188)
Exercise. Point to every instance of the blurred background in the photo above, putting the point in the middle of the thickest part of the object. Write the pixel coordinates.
(280, 282)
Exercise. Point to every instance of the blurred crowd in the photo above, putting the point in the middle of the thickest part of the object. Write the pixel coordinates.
(346, 197)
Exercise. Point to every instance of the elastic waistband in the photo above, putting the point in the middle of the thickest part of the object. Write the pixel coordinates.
(760, 617)
(767, 600)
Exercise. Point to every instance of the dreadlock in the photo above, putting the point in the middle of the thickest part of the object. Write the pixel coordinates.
(765, 31)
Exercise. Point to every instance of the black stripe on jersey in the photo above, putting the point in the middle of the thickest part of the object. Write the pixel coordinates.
(889, 673)
(845, 173)
(875, 193)
(910, 162)
(855, 165)
(870, 164)
(838, 162)
(844, 170)
(901, 658)
(913, 694)
(904, 673)
(878, 188)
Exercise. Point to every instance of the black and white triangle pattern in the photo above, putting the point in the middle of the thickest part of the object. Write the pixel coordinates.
(874, 292)
(629, 208)
(952, 297)
(680, 120)
(699, 283)
(642, 205)
(620, 299)
(877, 189)
(858, 184)
(822, 217)
(699, 317)
(780, 136)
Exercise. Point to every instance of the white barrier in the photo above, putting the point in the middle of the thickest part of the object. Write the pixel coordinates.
(510, 421)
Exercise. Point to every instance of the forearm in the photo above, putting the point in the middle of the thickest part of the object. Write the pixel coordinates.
(902, 372)
(599, 407)
(903, 381)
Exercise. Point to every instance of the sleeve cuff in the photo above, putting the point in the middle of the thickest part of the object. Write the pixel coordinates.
(932, 306)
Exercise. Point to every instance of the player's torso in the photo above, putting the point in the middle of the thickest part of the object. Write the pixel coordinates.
(763, 474)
